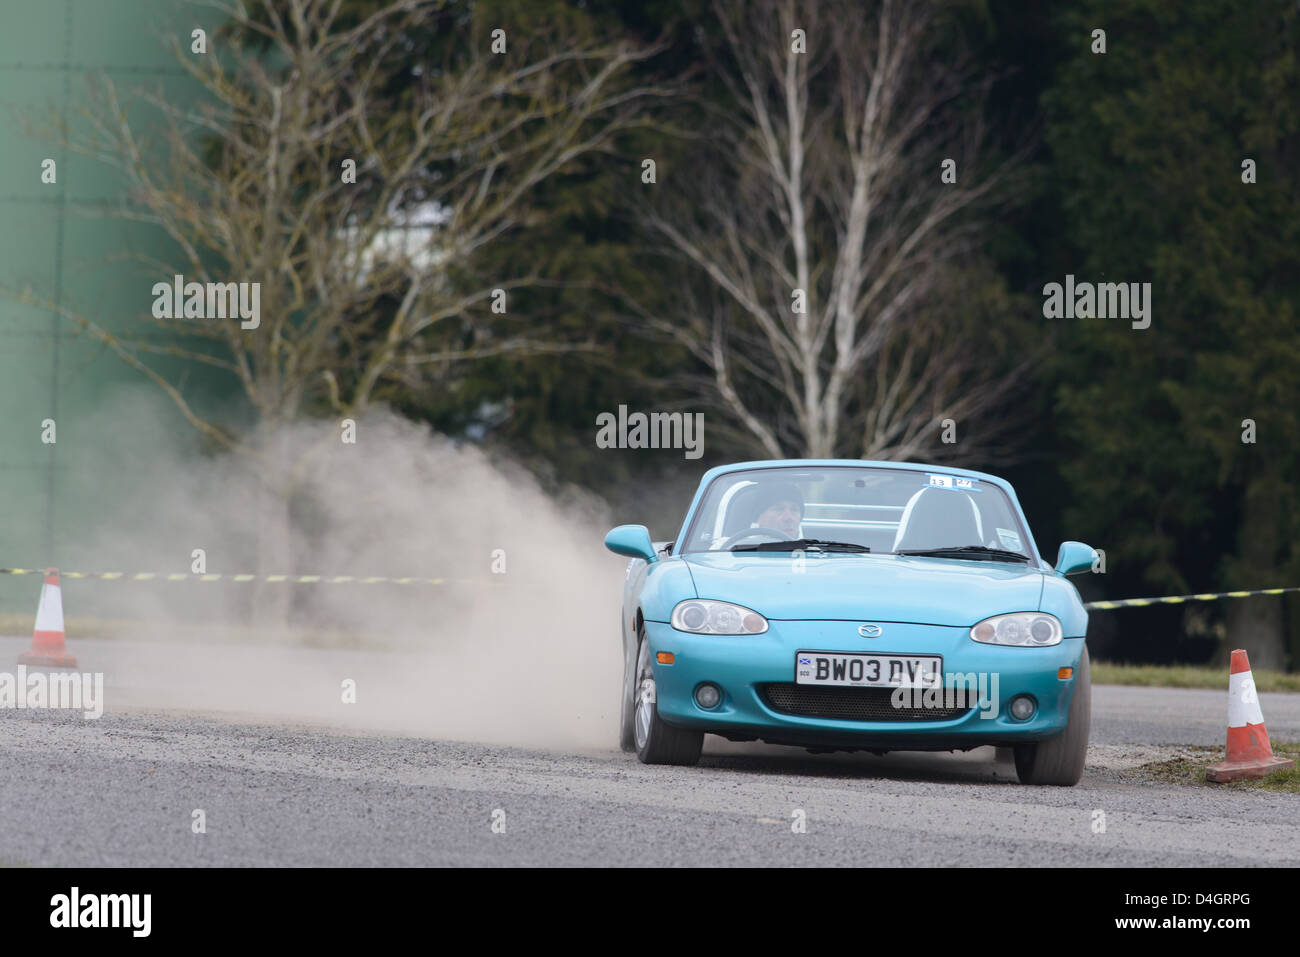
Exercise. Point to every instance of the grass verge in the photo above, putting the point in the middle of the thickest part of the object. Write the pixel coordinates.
(1186, 676)
(1189, 769)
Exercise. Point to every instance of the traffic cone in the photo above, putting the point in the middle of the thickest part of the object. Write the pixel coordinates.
(47, 640)
(1249, 753)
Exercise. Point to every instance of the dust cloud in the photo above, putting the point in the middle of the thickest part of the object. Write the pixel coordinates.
(520, 646)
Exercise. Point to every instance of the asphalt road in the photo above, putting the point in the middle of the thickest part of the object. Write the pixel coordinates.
(289, 780)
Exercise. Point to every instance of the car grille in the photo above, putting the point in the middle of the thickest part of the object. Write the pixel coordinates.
(848, 704)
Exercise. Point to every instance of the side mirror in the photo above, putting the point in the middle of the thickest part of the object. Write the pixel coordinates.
(1075, 557)
(632, 541)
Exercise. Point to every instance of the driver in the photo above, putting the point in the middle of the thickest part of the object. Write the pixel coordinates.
(780, 507)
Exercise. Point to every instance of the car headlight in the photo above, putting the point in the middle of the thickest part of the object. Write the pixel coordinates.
(1033, 629)
(704, 617)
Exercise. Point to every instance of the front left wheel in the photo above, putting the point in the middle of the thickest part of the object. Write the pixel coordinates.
(655, 741)
(1059, 760)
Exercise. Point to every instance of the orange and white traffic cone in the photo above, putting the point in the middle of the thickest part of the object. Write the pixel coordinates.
(1249, 753)
(47, 639)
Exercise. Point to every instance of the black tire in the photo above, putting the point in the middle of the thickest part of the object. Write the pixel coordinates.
(655, 741)
(1059, 760)
(626, 730)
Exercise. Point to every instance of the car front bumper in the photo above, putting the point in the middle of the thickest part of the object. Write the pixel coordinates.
(742, 666)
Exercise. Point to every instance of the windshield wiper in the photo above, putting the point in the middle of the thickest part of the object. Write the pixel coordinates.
(967, 551)
(800, 544)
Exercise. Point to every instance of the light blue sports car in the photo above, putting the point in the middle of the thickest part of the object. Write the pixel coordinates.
(846, 605)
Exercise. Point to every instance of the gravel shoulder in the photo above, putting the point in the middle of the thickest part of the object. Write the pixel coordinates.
(123, 791)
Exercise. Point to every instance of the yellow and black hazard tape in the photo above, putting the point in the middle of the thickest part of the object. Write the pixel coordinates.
(382, 580)
(286, 579)
(1180, 599)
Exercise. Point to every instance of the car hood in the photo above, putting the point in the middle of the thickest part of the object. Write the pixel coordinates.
(932, 591)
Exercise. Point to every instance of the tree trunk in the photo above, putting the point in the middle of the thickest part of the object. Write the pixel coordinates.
(1255, 624)
(273, 601)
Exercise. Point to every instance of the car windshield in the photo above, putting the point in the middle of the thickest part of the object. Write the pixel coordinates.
(849, 510)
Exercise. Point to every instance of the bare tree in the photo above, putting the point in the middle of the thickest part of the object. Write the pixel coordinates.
(833, 302)
(365, 281)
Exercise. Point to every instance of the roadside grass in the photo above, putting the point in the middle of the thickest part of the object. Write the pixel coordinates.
(1189, 769)
(1186, 676)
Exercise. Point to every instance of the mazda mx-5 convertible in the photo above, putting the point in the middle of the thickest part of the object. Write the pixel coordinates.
(851, 605)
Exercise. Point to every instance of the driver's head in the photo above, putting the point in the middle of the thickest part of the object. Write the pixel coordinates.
(780, 506)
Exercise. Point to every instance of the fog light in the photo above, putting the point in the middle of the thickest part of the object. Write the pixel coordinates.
(1022, 707)
(708, 696)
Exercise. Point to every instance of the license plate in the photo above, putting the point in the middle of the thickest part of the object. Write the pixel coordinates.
(852, 670)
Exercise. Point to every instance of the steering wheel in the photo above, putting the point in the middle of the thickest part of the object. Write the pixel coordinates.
(777, 536)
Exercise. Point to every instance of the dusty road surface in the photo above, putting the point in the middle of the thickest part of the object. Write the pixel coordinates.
(287, 775)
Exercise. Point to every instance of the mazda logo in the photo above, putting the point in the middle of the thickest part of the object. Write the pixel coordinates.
(870, 631)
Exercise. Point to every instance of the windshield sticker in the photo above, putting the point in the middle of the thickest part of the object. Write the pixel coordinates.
(1009, 539)
(954, 482)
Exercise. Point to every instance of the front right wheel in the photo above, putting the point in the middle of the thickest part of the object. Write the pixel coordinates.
(627, 706)
(657, 742)
(1059, 760)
